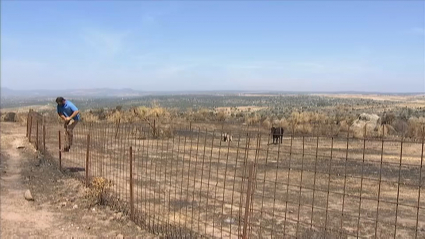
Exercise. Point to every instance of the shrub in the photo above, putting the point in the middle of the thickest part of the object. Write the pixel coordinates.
(401, 126)
(89, 117)
(267, 124)
(222, 115)
(415, 127)
(96, 193)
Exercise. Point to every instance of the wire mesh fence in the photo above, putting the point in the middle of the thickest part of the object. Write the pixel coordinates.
(192, 183)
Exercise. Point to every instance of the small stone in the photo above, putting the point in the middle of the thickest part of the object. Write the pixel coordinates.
(28, 195)
(20, 147)
(75, 206)
(120, 236)
(88, 228)
(63, 204)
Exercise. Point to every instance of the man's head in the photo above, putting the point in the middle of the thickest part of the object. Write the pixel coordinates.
(60, 101)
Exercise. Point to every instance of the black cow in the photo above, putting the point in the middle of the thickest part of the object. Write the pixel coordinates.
(227, 137)
(277, 134)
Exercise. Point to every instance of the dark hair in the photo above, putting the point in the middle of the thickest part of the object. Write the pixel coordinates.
(59, 99)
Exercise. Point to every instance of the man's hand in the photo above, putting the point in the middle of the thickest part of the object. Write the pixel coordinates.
(67, 119)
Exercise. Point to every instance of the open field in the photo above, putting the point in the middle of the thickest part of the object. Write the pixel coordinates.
(60, 208)
(196, 184)
(374, 97)
(186, 181)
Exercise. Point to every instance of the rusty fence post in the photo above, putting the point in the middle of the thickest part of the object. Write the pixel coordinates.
(87, 159)
(60, 150)
(248, 200)
(154, 128)
(30, 129)
(131, 185)
(365, 131)
(383, 131)
(118, 127)
(420, 182)
(28, 123)
(36, 135)
(44, 139)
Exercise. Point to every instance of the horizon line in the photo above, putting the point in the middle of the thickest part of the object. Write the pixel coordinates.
(231, 90)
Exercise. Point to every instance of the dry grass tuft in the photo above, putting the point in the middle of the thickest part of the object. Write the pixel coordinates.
(89, 117)
(96, 193)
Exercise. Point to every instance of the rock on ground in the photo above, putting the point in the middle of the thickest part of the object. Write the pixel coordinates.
(28, 195)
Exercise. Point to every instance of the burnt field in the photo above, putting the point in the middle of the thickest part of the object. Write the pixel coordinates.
(196, 184)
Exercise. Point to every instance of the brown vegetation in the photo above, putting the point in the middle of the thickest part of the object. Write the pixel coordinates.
(162, 121)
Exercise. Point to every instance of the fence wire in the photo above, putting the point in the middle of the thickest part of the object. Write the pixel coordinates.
(192, 183)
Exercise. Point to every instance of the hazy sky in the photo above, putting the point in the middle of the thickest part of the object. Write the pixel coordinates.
(235, 45)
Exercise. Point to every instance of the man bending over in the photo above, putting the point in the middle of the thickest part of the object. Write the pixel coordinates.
(70, 115)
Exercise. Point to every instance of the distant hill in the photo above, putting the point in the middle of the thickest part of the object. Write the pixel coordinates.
(101, 92)
(127, 92)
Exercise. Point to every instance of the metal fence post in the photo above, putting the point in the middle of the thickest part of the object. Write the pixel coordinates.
(30, 129)
(36, 135)
(118, 127)
(60, 150)
(44, 138)
(154, 128)
(248, 200)
(28, 123)
(87, 159)
(131, 185)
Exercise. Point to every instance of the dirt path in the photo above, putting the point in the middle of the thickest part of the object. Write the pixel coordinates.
(59, 208)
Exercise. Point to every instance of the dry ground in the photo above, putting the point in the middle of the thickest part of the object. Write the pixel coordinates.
(197, 182)
(372, 97)
(242, 108)
(413, 101)
(59, 208)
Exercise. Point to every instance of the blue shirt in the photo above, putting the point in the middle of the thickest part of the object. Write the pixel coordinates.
(67, 109)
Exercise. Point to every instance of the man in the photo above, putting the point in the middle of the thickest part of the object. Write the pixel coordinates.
(70, 115)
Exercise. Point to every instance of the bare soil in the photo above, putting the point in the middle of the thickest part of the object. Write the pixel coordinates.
(303, 188)
(60, 208)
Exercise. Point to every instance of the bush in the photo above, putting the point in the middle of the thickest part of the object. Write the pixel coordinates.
(9, 117)
(415, 127)
(89, 117)
(388, 118)
(97, 191)
(401, 127)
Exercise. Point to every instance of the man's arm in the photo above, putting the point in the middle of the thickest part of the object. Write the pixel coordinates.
(60, 113)
(62, 116)
(74, 114)
(74, 109)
